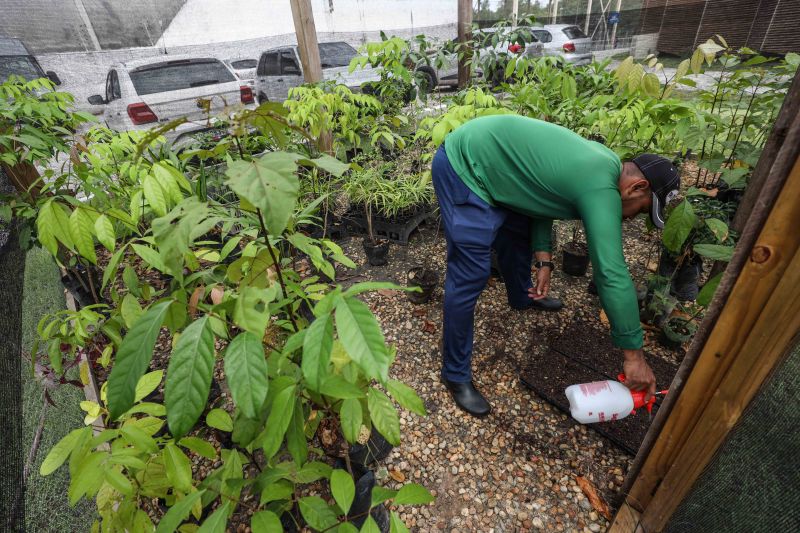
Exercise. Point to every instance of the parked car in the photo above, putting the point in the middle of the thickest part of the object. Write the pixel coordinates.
(279, 69)
(16, 59)
(567, 41)
(245, 69)
(447, 74)
(144, 93)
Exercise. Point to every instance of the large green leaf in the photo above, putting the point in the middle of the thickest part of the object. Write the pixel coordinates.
(384, 415)
(246, 373)
(336, 386)
(151, 257)
(178, 513)
(133, 358)
(189, 376)
(265, 522)
(219, 419)
(86, 477)
(218, 520)
(328, 164)
(296, 435)
(678, 226)
(278, 421)
(413, 494)
(59, 453)
(179, 468)
(350, 417)
(406, 396)
(104, 230)
(130, 310)
(718, 228)
(317, 346)
(52, 226)
(343, 489)
(81, 228)
(199, 446)
(361, 336)
(716, 252)
(270, 184)
(155, 195)
(317, 513)
(366, 286)
(251, 312)
(396, 525)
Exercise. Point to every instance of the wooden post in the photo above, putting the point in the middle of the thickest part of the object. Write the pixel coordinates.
(307, 40)
(514, 12)
(307, 45)
(464, 36)
(588, 16)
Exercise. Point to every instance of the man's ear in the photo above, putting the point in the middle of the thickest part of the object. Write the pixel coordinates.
(641, 185)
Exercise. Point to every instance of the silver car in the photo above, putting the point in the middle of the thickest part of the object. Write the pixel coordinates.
(245, 69)
(279, 69)
(144, 93)
(567, 41)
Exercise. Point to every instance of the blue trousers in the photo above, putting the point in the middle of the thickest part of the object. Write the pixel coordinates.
(472, 228)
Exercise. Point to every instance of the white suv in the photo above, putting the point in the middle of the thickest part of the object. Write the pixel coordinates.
(279, 70)
(145, 93)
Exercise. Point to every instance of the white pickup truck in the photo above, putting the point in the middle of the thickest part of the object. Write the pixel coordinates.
(279, 69)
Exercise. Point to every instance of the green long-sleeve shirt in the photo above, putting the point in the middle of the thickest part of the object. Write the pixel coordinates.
(548, 172)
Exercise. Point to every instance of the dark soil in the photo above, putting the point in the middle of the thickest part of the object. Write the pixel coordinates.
(584, 353)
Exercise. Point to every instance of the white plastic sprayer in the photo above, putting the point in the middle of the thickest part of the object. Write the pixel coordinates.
(601, 401)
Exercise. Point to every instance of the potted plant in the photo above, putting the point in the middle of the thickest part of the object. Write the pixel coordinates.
(423, 278)
(575, 254)
(676, 331)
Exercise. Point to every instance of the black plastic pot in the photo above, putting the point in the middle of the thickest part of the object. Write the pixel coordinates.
(377, 251)
(363, 501)
(675, 332)
(685, 281)
(424, 279)
(376, 449)
(575, 258)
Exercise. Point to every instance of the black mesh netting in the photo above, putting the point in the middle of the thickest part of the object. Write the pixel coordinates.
(753, 484)
(12, 269)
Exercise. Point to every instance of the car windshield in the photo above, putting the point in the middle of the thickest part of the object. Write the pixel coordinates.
(181, 74)
(336, 54)
(19, 65)
(574, 32)
(244, 63)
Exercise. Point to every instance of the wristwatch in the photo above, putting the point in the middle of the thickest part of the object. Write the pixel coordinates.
(540, 264)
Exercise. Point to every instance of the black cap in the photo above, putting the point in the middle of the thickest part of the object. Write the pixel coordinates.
(665, 182)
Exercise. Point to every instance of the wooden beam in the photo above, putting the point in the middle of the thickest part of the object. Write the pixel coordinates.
(754, 331)
(464, 36)
(307, 44)
(627, 521)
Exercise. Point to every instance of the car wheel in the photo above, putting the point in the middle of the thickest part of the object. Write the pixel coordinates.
(426, 81)
(262, 98)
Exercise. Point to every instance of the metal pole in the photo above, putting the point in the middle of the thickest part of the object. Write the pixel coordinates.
(588, 16)
(514, 12)
(554, 15)
(614, 26)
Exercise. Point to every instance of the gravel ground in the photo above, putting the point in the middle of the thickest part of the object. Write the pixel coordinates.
(516, 469)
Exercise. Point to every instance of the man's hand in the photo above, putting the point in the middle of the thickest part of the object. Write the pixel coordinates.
(542, 278)
(638, 375)
(542, 284)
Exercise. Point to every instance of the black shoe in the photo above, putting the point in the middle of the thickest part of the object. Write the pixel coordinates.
(543, 304)
(468, 398)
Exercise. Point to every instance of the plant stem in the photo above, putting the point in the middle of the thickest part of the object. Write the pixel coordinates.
(744, 121)
(277, 264)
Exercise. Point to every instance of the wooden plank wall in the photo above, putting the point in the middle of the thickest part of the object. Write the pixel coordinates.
(765, 25)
